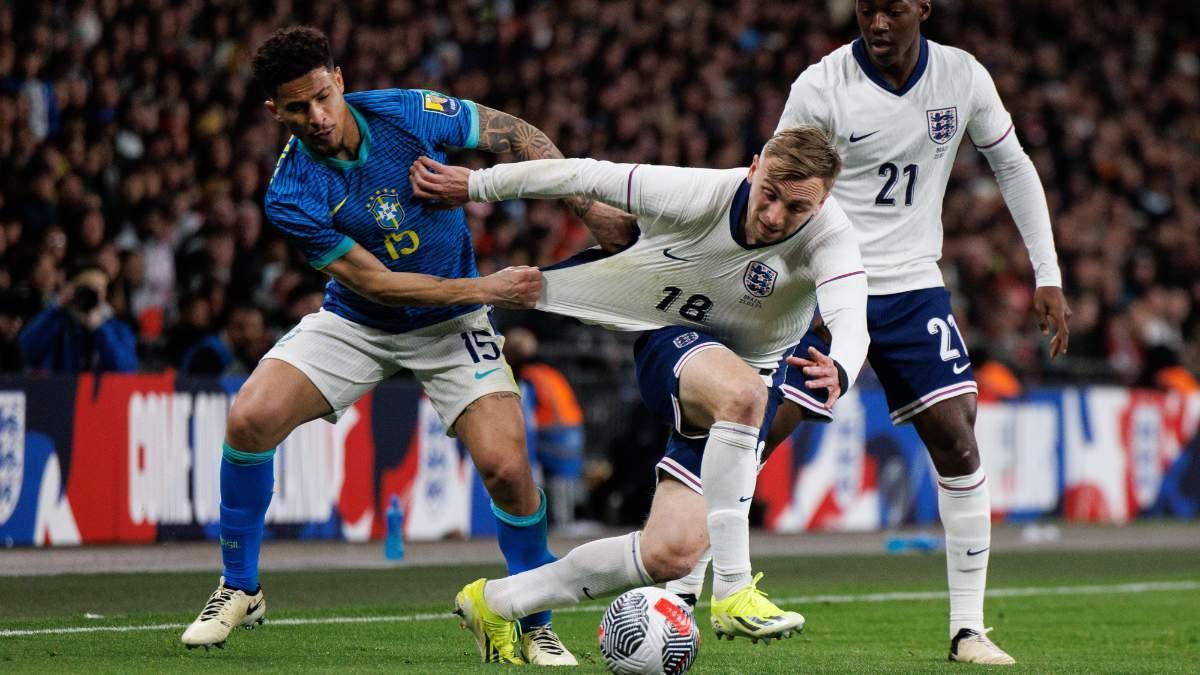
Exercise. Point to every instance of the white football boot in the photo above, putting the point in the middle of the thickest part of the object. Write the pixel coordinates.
(543, 647)
(971, 646)
(226, 609)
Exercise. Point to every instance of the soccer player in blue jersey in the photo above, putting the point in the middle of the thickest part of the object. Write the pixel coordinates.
(404, 293)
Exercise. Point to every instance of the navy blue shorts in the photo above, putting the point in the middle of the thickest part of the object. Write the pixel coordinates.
(659, 357)
(916, 351)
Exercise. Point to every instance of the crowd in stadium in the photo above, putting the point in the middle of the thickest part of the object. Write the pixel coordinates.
(134, 153)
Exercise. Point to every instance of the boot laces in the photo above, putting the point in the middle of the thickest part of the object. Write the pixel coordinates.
(219, 599)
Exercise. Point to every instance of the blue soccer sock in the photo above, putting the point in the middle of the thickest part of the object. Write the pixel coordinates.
(523, 543)
(247, 481)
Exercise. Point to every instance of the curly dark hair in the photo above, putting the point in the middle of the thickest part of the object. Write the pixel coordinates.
(290, 53)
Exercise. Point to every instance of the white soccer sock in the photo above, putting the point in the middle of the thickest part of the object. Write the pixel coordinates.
(967, 518)
(693, 583)
(590, 571)
(728, 472)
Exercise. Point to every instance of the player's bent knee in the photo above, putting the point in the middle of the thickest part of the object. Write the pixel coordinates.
(505, 478)
(958, 457)
(254, 427)
(743, 401)
(670, 559)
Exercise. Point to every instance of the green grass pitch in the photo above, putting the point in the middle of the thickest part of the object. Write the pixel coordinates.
(1055, 612)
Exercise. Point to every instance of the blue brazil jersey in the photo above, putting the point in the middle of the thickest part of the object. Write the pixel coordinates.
(325, 205)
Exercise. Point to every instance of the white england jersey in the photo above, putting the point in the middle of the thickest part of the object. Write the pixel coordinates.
(690, 265)
(898, 147)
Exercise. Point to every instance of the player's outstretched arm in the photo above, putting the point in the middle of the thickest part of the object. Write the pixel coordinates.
(536, 179)
(511, 288)
(500, 133)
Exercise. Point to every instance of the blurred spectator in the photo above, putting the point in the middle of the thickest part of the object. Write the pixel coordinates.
(302, 299)
(995, 380)
(158, 261)
(234, 350)
(11, 321)
(1158, 321)
(195, 324)
(79, 332)
(623, 486)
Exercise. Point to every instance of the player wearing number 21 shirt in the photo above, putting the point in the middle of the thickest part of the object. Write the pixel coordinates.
(898, 106)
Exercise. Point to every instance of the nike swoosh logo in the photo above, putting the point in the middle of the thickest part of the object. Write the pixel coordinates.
(253, 608)
(585, 592)
(971, 552)
(958, 370)
(480, 376)
(855, 139)
(744, 499)
(667, 252)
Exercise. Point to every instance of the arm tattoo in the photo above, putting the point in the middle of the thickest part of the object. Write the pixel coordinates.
(579, 205)
(500, 132)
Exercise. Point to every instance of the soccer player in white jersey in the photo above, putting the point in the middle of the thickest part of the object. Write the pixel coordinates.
(726, 272)
(898, 106)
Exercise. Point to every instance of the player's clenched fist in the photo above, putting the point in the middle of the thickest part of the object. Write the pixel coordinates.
(513, 287)
(439, 182)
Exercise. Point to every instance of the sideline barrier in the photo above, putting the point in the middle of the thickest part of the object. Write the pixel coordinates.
(1091, 454)
(136, 458)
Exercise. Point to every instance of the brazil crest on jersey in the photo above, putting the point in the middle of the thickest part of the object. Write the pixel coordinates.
(326, 205)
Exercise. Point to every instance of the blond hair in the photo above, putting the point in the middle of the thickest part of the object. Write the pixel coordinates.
(800, 153)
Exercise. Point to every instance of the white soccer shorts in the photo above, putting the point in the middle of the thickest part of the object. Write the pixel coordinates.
(456, 361)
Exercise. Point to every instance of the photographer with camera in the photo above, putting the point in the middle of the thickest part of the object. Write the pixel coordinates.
(79, 333)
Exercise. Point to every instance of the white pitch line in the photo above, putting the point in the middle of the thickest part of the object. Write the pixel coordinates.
(1031, 591)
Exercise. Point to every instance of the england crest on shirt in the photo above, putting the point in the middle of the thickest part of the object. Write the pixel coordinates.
(759, 279)
(943, 122)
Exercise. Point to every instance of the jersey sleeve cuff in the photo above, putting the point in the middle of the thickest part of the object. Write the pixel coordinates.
(343, 247)
(843, 377)
(1048, 275)
(473, 136)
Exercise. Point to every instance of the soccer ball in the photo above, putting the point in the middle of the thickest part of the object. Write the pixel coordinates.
(648, 630)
